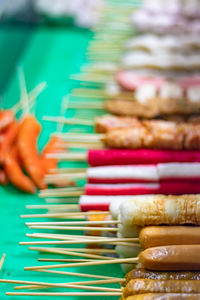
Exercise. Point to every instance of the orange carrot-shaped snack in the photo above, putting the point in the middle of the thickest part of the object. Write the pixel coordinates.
(3, 177)
(28, 152)
(16, 175)
(6, 118)
(7, 138)
(53, 146)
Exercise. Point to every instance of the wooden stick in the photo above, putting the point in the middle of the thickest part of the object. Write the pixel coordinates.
(65, 215)
(62, 285)
(83, 105)
(64, 207)
(74, 156)
(75, 294)
(68, 170)
(64, 236)
(31, 95)
(75, 253)
(81, 241)
(61, 200)
(70, 121)
(86, 145)
(107, 222)
(65, 259)
(86, 250)
(54, 178)
(107, 281)
(24, 94)
(2, 260)
(60, 192)
(85, 275)
(75, 228)
(92, 263)
(80, 137)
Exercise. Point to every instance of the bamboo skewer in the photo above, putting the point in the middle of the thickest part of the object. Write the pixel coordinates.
(32, 95)
(65, 260)
(100, 250)
(92, 263)
(55, 207)
(83, 105)
(74, 156)
(107, 281)
(107, 222)
(53, 178)
(75, 253)
(64, 215)
(61, 200)
(61, 285)
(71, 121)
(85, 275)
(2, 260)
(65, 236)
(61, 192)
(78, 228)
(82, 241)
(67, 294)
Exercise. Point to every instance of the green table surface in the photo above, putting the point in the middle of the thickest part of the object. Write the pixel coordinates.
(51, 54)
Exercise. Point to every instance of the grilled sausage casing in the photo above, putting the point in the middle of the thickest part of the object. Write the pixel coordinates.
(171, 258)
(153, 236)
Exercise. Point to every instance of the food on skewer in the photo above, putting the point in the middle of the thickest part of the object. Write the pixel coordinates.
(133, 173)
(164, 44)
(153, 96)
(155, 135)
(171, 258)
(164, 18)
(16, 175)
(106, 123)
(142, 286)
(152, 236)
(163, 187)
(7, 117)
(126, 157)
(142, 273)
(161, 209)
(28, 152)
(165, 296)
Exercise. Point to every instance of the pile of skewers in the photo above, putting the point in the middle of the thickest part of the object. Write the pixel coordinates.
(139, 207)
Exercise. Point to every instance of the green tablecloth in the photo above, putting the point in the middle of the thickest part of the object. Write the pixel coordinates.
(50, 54)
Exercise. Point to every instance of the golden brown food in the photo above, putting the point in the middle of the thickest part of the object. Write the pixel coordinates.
(143, 273)
(160, 209)
(161, 296)
(108, 122)
(152, 108)
(171, 258)
(153, 236)
(142, 286)
(155, 135)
